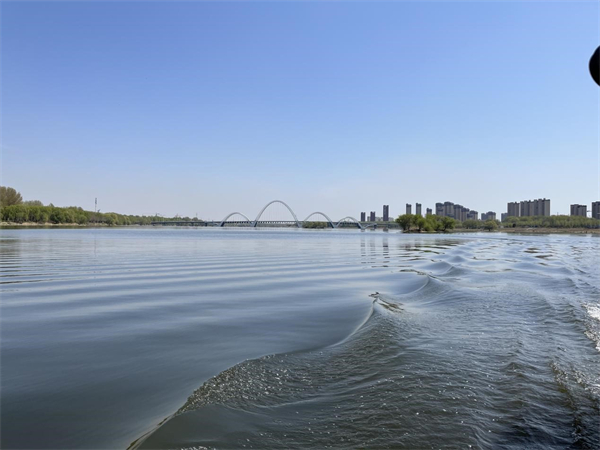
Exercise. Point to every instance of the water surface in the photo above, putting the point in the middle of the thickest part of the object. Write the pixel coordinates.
(276, 338)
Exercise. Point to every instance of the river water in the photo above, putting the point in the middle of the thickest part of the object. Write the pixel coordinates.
(280, 338)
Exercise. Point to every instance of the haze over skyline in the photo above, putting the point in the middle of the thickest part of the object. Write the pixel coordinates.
(209, 108)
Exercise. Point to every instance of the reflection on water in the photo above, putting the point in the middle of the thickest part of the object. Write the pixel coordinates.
(296, 338)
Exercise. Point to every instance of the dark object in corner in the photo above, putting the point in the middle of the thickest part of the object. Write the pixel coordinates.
(595, 66)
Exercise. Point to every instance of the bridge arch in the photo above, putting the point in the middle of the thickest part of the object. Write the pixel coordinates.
(323, 214)
(269, 204)
(352, 219)
(233, 214)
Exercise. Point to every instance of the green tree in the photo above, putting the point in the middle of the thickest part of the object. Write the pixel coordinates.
(34, 212)
(57, 215)
(432, 223)
(33, 203)
(315, 225)
(43, 216)
(551, 222)
(9, 196)
(69, 215)
(419, 222)
(81, 218)
(447, 223)
(405, 221)
(111, 219)
(471, 224)
(490, 225)
(15, 213)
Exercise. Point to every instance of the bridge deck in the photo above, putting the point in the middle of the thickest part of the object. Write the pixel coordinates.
(201, 223)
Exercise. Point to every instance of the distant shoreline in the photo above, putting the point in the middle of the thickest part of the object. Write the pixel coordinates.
(541, 230)
(550, 230)
(56, 225)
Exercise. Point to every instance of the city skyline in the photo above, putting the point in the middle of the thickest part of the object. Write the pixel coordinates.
(524, 208)
(206, 108)
(447, 208)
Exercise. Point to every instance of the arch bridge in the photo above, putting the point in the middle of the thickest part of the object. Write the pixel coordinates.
(239, 219)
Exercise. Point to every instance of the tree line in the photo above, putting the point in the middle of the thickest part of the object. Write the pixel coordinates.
(551, 222)
(472, 224)
(13, 209)
(430, 222)
(315, 224)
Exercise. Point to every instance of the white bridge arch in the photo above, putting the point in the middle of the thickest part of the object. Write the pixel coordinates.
(233, 214)
(298, 223)
(350, 219)
(322, 214)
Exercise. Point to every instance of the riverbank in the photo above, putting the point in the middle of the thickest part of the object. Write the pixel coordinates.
(51, 225)
(511, 230)
(36, 215)
(541, 230)
(550, 230)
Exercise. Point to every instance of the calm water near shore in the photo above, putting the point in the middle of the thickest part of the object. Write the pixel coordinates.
(285, 338)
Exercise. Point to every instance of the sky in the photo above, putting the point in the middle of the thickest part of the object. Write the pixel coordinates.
(207, 108)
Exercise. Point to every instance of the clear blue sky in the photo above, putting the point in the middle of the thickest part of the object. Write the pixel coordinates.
(212, 107)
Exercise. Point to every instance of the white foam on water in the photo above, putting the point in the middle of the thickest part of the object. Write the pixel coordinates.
(594, 311)
(594, 333)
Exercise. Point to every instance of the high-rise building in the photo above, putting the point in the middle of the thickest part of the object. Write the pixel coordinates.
(579, 210)
(503, 216)
(428, 212)
(596, 210)
(418, 209)
(539, 207)
(473, 215)
(456, 211)
(543, 206)
(512, 209)
(386, 213)
(408, 208)
(363, 216)
(460, 213)
(439, 209)
(490, 215)
(372, 216)
(448, 209)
